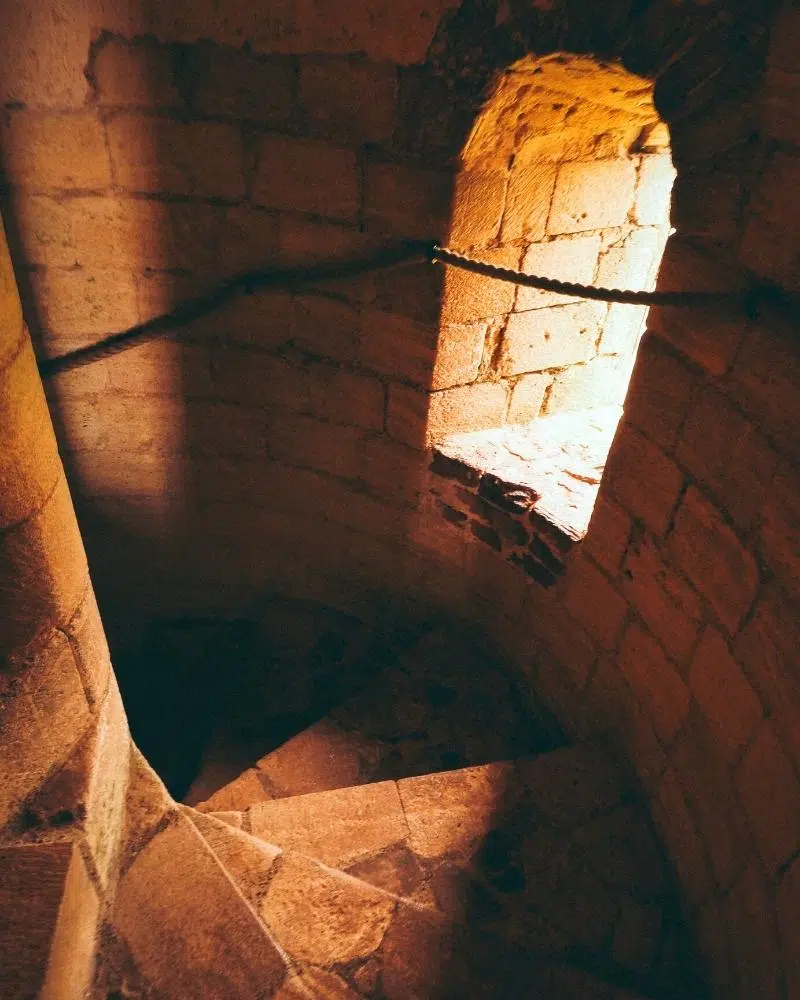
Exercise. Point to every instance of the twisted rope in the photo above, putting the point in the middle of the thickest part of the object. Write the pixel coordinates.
(572, 288)
(408, 252)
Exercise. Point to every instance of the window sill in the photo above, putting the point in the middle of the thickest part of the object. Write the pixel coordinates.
(527, 491)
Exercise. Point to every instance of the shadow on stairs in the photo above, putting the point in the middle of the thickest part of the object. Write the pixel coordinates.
(427, 837)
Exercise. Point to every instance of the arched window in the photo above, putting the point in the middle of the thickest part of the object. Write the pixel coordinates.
(567, 173)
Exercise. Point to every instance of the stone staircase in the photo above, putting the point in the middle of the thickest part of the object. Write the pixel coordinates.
(362, 859)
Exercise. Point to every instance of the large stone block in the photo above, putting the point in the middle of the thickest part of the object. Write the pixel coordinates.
(326, 327)
(316, 444)
(161, 156)
(660, 392)
(44, 152)
(347, 397)
(304, 175)
(709, 335)
(407, 414)
(726, 453)
(227, 82)
(643, 479)
(48, 922)
(261, 380)
(723, 693)
(780, 528)
(682, 839)
(29, 462)
(118, 234)
(459, 354)
(600, 382)
(408, 201)
(592, 195)
(703, 773)
(551, 338)
(348, 99)
(48, 70)
(75, 307)
(397, 346)
(528, 396)
(655, 681)
(138, 76)
(338, 827)
(478, 207)
(609, 534)
(766, 649)
(670, 607)
(573, 258)
(88, 791)
(527, 205)
(186, 942)
(592, 600)
(714, 560)
(43, 567)
(769, 246)
(656, 177)
(473, 407)
(470, 298)
(322, 917)
(44, 714)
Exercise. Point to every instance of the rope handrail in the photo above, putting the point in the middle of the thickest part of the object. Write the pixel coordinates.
(405, 253)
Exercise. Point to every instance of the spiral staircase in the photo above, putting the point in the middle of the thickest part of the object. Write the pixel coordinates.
(428, 836)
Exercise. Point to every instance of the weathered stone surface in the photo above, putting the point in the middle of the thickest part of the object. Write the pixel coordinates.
(551, 338)
(725, 697)
(592, 196)
(29, 463)
(655, 681)
(89, 790)
(448, 813)
(47, 928)
(322, 756)
(323, 917)
(304, 175)
(643, 478)
(56, 152)
(188, 942)
(238, 794)
(147, 805)
(338, 827)
(44, 714)
(248, 860)
(416, 954)
(713, 558)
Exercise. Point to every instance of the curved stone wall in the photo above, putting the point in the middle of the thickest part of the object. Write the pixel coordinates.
(281, 446)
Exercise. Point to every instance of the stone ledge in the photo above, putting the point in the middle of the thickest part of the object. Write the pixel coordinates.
(527, 491)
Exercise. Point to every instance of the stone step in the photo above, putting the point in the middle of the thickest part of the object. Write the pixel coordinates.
(187, 925)
(552, 855)
(346, 939)
(445, 704)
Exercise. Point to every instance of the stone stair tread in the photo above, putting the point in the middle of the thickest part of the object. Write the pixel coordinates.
(436, 708)
(216, 940)
(552, 855)
(342, 937)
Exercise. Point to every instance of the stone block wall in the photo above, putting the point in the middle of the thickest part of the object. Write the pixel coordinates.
(256, 454)
(566, 173)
